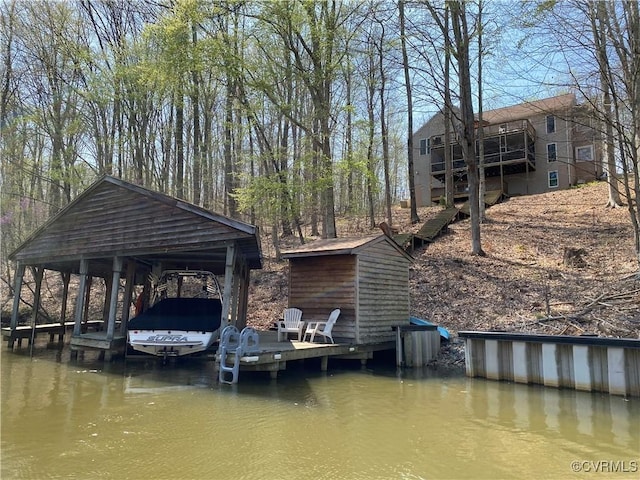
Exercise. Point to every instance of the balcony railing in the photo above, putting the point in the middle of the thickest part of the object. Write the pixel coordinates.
(506, 143)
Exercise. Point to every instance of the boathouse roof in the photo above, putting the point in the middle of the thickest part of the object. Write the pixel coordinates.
(117, 218)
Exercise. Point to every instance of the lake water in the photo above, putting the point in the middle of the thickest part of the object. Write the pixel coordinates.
(144, 420)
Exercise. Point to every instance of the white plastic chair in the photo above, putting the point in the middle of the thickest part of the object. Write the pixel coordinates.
(292, 323)
(322, 328)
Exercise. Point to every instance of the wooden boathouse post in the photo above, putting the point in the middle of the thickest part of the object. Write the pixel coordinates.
(15, 311)
(113, 298)
(128, 291)
(228, 283)
(80, 299)
(38, 273)
(243, 294)
(66, 279)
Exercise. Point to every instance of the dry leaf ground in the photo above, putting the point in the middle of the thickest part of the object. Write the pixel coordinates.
(522, 284)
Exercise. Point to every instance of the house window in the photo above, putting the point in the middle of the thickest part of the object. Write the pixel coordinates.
(551, 124)
(552, 155)
(553, 179)
(423, 146)
(584, 154)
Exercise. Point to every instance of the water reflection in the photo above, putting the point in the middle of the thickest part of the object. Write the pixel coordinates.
(142, 419)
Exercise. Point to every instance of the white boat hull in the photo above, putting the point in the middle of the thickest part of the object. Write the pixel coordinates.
(170, 343)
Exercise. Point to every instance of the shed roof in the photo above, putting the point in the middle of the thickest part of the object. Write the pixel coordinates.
(342, 246)
(114, 217)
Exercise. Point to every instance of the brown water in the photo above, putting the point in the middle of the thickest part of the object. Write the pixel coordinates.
(143, 420)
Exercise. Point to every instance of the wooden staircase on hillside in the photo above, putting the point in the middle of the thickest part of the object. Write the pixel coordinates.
(490, 198)
(435, 226)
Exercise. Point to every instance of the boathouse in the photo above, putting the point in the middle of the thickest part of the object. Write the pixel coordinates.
(122, 233)
(366, 278)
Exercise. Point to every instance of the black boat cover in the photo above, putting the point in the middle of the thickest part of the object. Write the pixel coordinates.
(186, 314)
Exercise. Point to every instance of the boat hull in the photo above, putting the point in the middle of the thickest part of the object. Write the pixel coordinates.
(176, 327)
(170, 343)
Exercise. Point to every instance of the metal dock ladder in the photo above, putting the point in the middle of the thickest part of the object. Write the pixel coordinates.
(238, 343)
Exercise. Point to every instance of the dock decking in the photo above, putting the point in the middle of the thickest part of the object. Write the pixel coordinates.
(272, 356)
(52, 329)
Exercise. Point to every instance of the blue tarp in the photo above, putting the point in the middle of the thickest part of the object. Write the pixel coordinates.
(444, 333)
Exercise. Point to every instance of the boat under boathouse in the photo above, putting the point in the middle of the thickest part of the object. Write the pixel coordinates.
(123, 233)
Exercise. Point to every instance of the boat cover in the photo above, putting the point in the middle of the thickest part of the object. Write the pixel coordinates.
(186, 314)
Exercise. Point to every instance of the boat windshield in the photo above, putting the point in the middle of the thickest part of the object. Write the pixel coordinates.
(185, 284)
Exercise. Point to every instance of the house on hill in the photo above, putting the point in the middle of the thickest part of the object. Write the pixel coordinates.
(533, 147)
(367, 278)
(121, 233)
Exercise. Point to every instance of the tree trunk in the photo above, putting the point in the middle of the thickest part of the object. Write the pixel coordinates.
(370, 136)
(384, 130)
(230, 202)
(467, 135)
(448, 111)
(598, 11)
(483, 186)
(407, 82)
(196, 180)
(179, 144)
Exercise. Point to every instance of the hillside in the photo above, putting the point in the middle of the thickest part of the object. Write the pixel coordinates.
(522, 284)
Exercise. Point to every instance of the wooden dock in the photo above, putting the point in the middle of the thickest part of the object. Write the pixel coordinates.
(272, 356)
(413, 347)
(52, 329)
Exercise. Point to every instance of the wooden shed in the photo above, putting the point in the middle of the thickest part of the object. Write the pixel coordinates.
(122, 232)
(367, 278)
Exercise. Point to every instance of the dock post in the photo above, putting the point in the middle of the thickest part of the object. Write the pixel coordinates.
(399, 352)
(324, 363)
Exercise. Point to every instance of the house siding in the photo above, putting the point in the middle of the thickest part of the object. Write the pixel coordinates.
(573, 128)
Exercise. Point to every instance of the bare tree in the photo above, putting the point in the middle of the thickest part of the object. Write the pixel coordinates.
(466, 133)
(407, 82)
